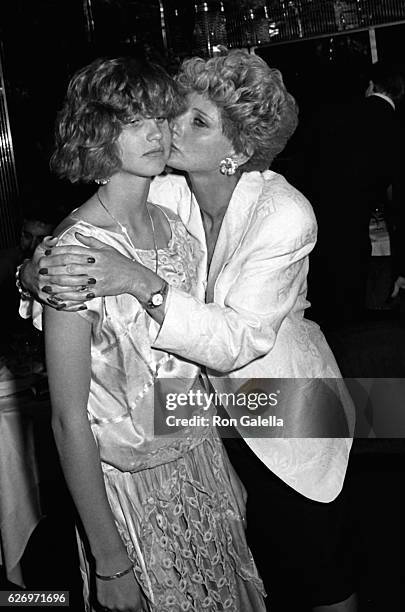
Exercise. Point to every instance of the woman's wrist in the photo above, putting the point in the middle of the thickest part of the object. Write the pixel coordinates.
(145, 284)
(27, 275)
(116, 575)
(23, 288)
(110, 563)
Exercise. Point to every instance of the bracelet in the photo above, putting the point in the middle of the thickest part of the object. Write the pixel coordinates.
(24, 293)
(117, 575)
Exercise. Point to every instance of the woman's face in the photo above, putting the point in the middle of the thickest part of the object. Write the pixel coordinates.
(198, 144)
(144, 146)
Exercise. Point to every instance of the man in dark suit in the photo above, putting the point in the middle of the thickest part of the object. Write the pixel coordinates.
(347, 163)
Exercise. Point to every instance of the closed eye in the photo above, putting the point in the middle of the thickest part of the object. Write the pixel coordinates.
(199, 122)
(136, 121)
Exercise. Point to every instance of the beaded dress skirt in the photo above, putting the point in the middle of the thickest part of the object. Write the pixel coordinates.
(182, 527)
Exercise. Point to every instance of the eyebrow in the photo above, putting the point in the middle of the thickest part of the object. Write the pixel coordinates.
(195, 108)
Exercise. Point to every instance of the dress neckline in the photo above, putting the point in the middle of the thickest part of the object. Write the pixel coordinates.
(170, 242)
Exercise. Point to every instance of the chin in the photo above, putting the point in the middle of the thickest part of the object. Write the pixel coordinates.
(150, 172)
(158, 168)
(175, 164)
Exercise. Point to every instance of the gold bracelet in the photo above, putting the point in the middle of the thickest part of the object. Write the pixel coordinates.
(116, 575)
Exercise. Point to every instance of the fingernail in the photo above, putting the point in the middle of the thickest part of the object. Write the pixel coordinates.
(48, 251)
(47, 289)
(91, 260)
(61, 307)
(83, 308)
(43, 271)
(90, 296)
(52, 301)
(91, 281)
(83, 288)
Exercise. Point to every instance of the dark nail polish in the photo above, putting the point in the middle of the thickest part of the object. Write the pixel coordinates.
(83, 308)
(43, 271)
(90, 296)
(52, 301)
(47, 289)
(92, 281)
(61, 307)
(91, 260)
(48, 251)
(83, 288)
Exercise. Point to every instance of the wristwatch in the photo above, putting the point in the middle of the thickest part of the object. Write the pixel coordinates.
(157, 298)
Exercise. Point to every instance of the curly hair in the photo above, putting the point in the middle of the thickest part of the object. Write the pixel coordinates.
(258, 114)
(101, 99)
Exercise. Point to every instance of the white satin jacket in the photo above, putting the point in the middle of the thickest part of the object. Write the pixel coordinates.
(247, 322)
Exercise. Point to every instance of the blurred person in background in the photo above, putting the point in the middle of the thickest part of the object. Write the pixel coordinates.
(38, 221)
(348, 159)
(36, 224)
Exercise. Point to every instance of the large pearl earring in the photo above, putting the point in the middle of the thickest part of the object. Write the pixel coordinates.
(228, 166)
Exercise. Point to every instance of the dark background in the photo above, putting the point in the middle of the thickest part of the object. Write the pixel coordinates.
(42, 43)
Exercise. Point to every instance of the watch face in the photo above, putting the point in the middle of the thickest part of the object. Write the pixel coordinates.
(157, 299)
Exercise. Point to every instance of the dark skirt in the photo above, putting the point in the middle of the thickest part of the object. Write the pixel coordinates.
(304, 550)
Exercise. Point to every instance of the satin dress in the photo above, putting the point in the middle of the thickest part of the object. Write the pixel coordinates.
(173, 494)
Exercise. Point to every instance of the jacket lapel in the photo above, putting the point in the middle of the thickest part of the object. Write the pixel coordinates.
(234, 225)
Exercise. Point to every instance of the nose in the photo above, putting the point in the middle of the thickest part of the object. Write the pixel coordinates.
(176, 125)
(155, 129)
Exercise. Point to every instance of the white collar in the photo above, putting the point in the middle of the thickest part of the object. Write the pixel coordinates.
(384, 97)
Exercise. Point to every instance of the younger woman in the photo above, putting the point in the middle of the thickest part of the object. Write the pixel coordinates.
(163, 523)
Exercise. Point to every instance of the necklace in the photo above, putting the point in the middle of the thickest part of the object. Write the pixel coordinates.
(125, 231)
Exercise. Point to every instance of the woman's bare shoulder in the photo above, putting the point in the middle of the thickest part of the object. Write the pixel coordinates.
(88, 214)
(64, 225)
(66, 229)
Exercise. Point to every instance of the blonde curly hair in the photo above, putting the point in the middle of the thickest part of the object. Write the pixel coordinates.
(258, 114)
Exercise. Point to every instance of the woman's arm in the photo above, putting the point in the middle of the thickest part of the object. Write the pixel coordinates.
(244, 323)
(68, 272)
(67, 338)
(66, 276)
(261, 293)
(255, 299)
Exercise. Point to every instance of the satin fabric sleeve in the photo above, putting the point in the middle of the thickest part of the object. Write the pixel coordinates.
(34, 309)
(243, 323)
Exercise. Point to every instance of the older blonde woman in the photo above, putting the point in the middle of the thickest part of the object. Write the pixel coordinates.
(247, 322)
